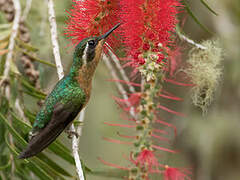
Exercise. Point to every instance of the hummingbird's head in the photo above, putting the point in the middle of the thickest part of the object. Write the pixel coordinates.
(90, 49)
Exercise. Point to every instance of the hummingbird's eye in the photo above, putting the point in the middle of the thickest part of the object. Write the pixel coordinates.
(91, 43)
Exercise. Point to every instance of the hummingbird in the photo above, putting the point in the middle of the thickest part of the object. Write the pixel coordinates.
(69, 96)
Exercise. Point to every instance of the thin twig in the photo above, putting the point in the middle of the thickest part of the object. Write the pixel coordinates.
(75, 143)
(119, 67)
(27, 9)
(53, 26)
(16, 21)
(81, 119)
(119, 85)
(190, 41)
(56, 52)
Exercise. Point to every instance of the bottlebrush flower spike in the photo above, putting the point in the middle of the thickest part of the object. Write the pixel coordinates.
(91, 18)
(174, 174)
(147, 157)
(148, 24)
(132, 101)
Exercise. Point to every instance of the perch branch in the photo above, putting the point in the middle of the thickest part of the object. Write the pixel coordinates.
(53, 28)
(56, 52)
(190, 41)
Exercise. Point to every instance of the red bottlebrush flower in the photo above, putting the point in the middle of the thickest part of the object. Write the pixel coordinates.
(175, 60)
(132, 101)
(148, 21)
(146, 46)
(174, 174)
(147, 157)
(91, 18)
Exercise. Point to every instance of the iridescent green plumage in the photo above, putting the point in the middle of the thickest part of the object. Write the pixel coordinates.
(68, 97)
(67, 91)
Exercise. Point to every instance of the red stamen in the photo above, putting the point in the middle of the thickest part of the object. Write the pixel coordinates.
(164, 149)
(117, 141)
(112, 165)
(171, 111)
(177, 83)
(120, 125)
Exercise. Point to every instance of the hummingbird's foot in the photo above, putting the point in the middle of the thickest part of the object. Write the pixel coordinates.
(71, 133)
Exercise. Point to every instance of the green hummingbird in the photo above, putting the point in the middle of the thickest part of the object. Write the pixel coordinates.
(69, 96)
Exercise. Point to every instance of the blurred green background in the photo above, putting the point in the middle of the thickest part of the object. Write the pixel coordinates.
(211, 142)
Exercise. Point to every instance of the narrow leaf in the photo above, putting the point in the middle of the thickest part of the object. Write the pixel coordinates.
(29, 115)
(46, 167)
(13, 131)
(30, 87)
(38, 96)
(53, 165)
(26, 45)
(6, 165)
(208, 7)
(39, 172)
(194, 17)
(36, 160)
(56, 147)
(36, 58)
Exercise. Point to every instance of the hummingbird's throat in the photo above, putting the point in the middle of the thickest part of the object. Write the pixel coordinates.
(86, 72)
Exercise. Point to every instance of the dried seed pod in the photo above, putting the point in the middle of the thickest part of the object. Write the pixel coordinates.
(7, 7)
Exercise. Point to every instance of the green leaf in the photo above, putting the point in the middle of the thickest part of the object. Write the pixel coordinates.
(208, 7)
(30, 165)
(25, 128)
(14, 91)
(61, 151)
(30, 87)
(4, 104)
(39, 160)
(39, 172)
(26, 46)
(13, 131)
(22, 173)
(194, 17)
(46, 167)
(31, 116)
(38, 96)
(36, 58)
(6, 165)
(56, 147)
(2, 65)
(52, 164)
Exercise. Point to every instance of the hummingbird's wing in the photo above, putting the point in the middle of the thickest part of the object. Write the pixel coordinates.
(63, 115)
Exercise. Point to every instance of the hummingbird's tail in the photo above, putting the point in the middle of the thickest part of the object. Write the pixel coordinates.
(48, 134)
(40, 141)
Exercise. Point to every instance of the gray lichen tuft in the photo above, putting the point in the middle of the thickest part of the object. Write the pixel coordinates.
(205, 71)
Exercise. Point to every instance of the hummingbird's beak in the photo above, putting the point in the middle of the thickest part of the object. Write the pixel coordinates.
(104, 36)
